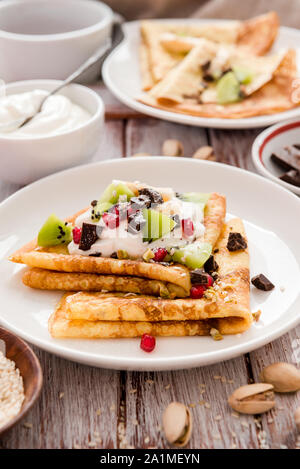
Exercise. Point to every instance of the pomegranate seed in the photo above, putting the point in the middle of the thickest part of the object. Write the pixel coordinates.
(111, 220)
(76, 234)
(159, 254)
(210, 281)
(147, 343)
(197, 291)
(187, 227)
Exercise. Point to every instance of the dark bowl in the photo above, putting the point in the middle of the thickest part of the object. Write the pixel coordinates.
(30, 370)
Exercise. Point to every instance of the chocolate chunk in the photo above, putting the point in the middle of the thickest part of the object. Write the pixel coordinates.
(138, 203)
(88, 236)
(114, 255)
(136, 222)
(262, 283)
(204, 67)
(210, 265)
(292, 177)
(96, 254)
(153, 195)
(199, 277)
(216, 250)
(287, 158)
(236, 242)
(94, 203)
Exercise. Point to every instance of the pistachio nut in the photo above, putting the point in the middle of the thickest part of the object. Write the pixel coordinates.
(204, 153)
(283, 376)
(172, 148)
(297, 419)
(253, 399)
(141, 154)
(177, 424)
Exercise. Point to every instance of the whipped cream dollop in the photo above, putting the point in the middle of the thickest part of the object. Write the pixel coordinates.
(113, 240)
(59, 114)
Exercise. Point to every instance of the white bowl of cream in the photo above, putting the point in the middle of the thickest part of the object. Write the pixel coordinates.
(65, 133)
(51, 38)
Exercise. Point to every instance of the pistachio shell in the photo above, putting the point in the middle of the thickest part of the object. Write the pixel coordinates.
(172, 148)
(177, 424)
(252, 399)
(204, 153)
(283, 376)
(297, 419)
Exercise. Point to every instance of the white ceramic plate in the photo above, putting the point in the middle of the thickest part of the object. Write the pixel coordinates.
(267, 209)
(271, 140)
(121, 75)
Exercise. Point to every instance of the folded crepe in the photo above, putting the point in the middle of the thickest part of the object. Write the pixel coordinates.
(224, 307)
(175, 278)
(157, 57)
(272, 91)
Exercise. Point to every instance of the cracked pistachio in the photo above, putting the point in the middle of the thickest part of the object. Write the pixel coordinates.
(177, 424)
(122, 254)
(172, 148)
(253, 399)
(297, 419)
(283, 376)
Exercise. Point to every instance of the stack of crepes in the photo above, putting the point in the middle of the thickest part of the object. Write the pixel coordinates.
(182, 65)
(108, 297)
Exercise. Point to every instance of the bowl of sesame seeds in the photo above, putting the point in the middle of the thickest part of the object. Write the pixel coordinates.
(21, 379)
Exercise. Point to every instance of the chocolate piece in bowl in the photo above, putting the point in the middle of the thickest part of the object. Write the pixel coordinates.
(288, 157)
(292, 177)
(262, 282)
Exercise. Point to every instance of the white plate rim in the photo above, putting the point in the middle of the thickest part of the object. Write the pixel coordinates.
(151, 364)
(208, 122)
(259, 141)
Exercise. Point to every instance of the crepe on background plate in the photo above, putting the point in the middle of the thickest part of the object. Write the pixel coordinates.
(225, 307)
(274, 96)
(257, 34)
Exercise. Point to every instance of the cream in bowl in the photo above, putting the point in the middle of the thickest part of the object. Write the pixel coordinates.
(66, 133)
(58, 114)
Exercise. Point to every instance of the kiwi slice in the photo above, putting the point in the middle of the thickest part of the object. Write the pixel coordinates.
(193, 255)
(54, 232)
(114, 191)
(196, 197)
(228, 89)
(157, 225)
(243, 74)
(99, 209)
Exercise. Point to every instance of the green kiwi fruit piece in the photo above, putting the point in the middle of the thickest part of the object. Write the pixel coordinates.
(54, 232)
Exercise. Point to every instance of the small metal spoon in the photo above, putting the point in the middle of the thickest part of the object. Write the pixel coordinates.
(101, 53)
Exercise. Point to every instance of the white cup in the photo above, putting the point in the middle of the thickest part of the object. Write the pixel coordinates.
(51, 38)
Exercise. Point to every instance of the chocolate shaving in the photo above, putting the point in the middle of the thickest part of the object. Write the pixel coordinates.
(138, 203)
(199, 277)
(88, 236)
(236, 242)
(262, 282)
(211, 265)
(288, 157)
(136, 222)
(96, 254)
(153, 195)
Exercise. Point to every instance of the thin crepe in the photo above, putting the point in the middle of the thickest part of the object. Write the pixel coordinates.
(58, 259)
(88, 315)
(231, 298)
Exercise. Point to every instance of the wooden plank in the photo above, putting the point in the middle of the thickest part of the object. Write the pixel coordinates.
(279, 423)
(147, 135)
(111, 142)
(205, 390)
(233, 147)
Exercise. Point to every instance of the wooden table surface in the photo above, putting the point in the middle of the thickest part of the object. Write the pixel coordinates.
(85, 407)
